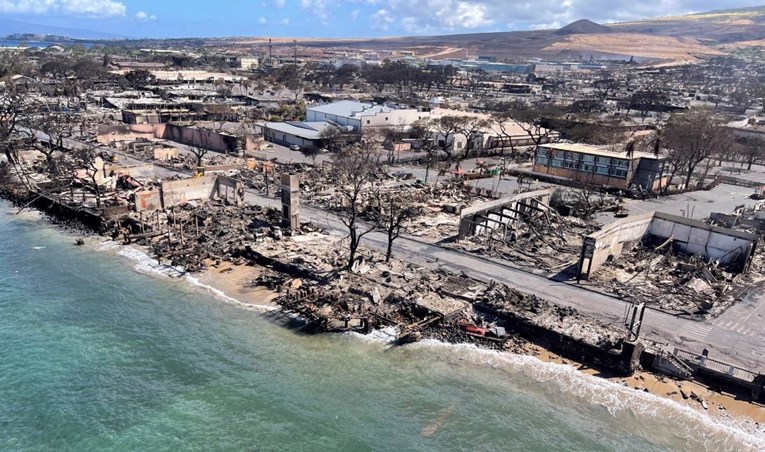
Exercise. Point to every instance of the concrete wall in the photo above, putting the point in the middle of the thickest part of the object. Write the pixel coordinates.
(690, 236)
(393, 118)
(180, 191)
(695, 237)
(212, 140)
(229, 190)
(124, 132)
(148, 200)
(165, 153)
(611, 241)
(484, 217)
(175, 192)
(138, 170)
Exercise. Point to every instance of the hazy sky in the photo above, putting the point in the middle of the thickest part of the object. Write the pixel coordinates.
(337, 18)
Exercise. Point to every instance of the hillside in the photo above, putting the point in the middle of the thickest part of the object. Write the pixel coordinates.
(680, 38)
(583, 27)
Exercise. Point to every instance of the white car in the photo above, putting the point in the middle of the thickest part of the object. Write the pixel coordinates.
(294, 147)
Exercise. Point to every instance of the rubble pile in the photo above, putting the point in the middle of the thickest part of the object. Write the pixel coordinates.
(425, 303)
(585, 202)
(194, 236)
(256, 179)
(184, 160)
(510, 306)
(439, 203)
(670, 280)
(381, 294)
(546, 241)
(444, 200)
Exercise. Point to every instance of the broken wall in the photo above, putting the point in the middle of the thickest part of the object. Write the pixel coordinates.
(229, 190)
(129, 132)
(611, 241)
(690, 236)
(483, 217)
(698, 238)
(208, 139)
(165, 153)
(174, 192)
(148, 200)
(180, 191)
(139, 171)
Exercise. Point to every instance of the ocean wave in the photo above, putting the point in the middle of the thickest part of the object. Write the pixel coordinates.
(387, 335)
(147, 265)
(220, 295)
(109, 245)
(716, 433)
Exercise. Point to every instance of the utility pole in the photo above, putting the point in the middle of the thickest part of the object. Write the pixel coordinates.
(270, 53)
(294, 47)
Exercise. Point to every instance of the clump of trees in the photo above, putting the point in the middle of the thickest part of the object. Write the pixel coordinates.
(695, 137)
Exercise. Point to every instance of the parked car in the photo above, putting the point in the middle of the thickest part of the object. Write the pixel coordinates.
(294, 147)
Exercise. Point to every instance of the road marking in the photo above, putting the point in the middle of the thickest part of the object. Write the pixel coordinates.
(694, 331)
(742, 329)
(723, 324)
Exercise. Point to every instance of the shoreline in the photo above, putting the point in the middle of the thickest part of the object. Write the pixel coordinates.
(231, 282)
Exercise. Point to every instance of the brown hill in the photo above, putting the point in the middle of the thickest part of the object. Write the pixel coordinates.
(681, 38)
(583, 27)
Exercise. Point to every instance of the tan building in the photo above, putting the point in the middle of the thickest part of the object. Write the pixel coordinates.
(596, 165)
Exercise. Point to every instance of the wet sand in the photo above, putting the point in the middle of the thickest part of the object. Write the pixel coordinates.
(236, 282)
(717, 403)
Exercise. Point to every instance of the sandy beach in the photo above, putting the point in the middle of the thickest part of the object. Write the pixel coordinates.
(687, 393)
(236, 281)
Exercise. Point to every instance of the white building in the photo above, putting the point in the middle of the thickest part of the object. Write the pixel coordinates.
(248, 63)
(361, 115)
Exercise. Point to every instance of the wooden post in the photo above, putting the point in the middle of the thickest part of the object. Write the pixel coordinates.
(196, 222)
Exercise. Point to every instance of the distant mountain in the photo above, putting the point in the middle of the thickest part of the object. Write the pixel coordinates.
(583, 27)
(10, 26)
(680, 38)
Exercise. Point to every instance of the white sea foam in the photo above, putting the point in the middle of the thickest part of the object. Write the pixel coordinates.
(718, 433)
(147, 265)
(108, 245)
(220, 295)
(385, 335)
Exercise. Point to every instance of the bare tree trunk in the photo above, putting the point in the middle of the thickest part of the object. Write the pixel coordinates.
(354, 245)
(391, 237)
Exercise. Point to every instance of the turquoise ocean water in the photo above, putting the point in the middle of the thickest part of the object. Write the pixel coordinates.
(97, 352)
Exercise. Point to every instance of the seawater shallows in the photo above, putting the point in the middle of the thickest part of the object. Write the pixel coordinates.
(99, 351)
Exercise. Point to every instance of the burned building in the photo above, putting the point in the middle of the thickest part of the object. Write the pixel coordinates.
(732, 248)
